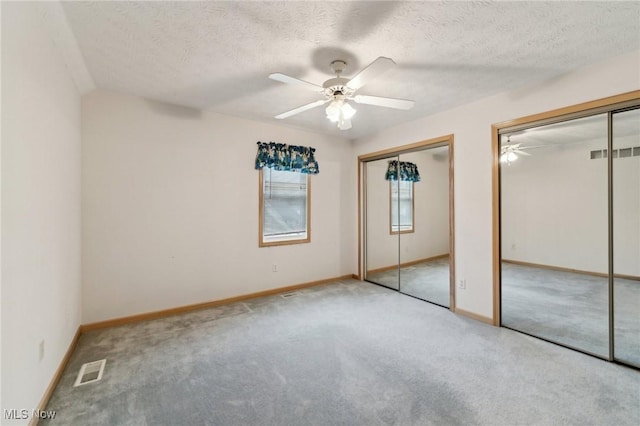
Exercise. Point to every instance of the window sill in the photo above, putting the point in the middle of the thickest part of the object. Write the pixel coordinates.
(402, 231)
(284, 240)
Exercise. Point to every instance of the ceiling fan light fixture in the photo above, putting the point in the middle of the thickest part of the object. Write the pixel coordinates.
(333, 111)
(348, 111)
(344, 124)
(340, 112)
(508, 157)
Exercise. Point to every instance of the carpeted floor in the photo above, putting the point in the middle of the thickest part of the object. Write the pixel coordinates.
(572, 309)
(349, 353)
(564, 307)
(425, 280)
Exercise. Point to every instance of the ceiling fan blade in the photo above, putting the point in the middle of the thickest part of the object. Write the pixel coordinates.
(344, 125)
(370, 72)
(384, 102)
(283, 78)
(300, 109)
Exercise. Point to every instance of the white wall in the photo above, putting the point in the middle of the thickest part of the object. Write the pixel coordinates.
(431, 236)
(626, 206)
(41, 207)
(431, 196)
(1, 406)
(170, 208)
(471, 125)
(554, 208)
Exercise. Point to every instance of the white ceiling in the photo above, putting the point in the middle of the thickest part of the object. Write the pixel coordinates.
(217, 55)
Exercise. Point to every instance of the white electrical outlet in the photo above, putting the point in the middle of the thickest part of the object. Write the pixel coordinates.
(274, 268)
(462, 284)
(41, 350)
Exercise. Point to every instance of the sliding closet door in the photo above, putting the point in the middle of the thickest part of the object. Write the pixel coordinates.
(626, 235)
(423, 212)
(554, 230)
(382, 244)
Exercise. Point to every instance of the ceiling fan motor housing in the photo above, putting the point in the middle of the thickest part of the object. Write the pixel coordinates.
(338, 66)
(337, 86)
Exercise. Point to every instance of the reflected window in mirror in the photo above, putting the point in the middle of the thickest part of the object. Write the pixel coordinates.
(402, 206)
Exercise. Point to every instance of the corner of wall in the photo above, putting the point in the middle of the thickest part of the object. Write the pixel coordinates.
(40, 217)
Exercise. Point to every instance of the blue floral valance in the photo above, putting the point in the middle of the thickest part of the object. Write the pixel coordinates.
(407, 171)
(280, 156)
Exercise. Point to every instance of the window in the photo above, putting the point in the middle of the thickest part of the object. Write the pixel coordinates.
(401, 206)
(284, 207)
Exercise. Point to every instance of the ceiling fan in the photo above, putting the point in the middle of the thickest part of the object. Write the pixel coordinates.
(339, 90)
(510, 151)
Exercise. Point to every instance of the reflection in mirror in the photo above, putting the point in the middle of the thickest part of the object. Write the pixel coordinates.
(554, 231)
(424, 253)
(401, 195)
(626, 235)
(381, 248)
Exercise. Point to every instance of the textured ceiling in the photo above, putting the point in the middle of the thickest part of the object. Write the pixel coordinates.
(217, 55)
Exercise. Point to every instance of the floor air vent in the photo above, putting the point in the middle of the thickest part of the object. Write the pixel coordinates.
(289, 294)
(90, 372)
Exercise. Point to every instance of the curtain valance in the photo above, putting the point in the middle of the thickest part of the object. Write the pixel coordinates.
(407, 171)
(280, 156)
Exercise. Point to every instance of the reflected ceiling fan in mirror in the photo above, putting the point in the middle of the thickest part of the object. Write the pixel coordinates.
(509, 152)
(339, 91)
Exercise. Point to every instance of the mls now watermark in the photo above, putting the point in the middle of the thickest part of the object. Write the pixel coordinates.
(17, 414)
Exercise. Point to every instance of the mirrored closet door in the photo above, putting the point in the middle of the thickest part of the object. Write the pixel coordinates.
(383, 244)
(407, 209)
(424, 247)
(554, 233)
(570, 232)
(626, 235)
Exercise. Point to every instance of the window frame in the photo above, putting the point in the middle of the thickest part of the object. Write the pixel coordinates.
(281, 242)
(413, 210)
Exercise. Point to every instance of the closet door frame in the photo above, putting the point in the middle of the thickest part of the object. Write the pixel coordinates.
(446, 140)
